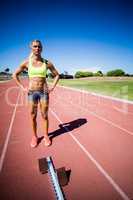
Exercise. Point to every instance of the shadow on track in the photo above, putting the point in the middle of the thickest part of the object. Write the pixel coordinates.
(67, 127)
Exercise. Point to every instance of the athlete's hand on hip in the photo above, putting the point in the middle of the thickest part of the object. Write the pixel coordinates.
(24, 89)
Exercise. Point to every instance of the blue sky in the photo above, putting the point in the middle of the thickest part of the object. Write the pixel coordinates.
(76, 35)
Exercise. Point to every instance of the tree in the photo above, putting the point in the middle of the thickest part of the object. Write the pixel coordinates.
(81, 74)
(7, 70)
(98, 73)
(116, 72)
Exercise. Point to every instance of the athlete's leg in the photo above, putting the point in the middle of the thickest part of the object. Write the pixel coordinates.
(44, 103)
(33, 113)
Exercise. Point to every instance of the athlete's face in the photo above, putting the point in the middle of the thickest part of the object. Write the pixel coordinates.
(36, 48)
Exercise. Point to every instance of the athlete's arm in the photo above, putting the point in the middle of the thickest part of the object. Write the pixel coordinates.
(20, 69)
(54, 73)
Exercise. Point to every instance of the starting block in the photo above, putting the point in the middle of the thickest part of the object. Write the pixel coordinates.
(58, 176)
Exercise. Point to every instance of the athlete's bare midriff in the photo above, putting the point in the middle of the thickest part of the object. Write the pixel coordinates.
(38, 83)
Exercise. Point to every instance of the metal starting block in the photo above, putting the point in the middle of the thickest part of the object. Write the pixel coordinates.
(58, 176)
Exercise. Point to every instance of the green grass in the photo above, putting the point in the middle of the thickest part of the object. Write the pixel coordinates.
(118, 88)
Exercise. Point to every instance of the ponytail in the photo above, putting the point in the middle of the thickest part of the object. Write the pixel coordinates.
(31, 58)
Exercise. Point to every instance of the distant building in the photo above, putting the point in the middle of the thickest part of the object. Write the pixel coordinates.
(66, 76)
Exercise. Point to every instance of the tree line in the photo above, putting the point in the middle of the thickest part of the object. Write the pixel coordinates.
(116, 72)
(78, 74)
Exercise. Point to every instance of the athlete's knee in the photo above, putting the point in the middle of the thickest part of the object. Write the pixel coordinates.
(44, 115)
(33, 115)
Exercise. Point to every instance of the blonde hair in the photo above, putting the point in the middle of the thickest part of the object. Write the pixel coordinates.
(35, 41)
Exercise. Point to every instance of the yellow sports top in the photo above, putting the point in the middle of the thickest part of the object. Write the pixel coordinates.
(37, 71)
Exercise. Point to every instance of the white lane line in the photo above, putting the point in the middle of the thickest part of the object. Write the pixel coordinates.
(123, 101)
(4, 150)
(100, 117)
(98, 95)
(125, 112)
(99, 167)
(111, 123)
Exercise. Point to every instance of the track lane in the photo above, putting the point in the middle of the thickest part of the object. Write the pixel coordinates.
(100, 107)
(20, 177)
(100, 140)
(8, 103)
(65, 152)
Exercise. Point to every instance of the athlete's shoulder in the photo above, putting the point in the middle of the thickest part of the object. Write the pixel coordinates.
(24, 63)
(49, 64)
(45, 61)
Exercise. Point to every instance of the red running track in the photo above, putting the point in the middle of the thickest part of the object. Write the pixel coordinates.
(92, 137)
